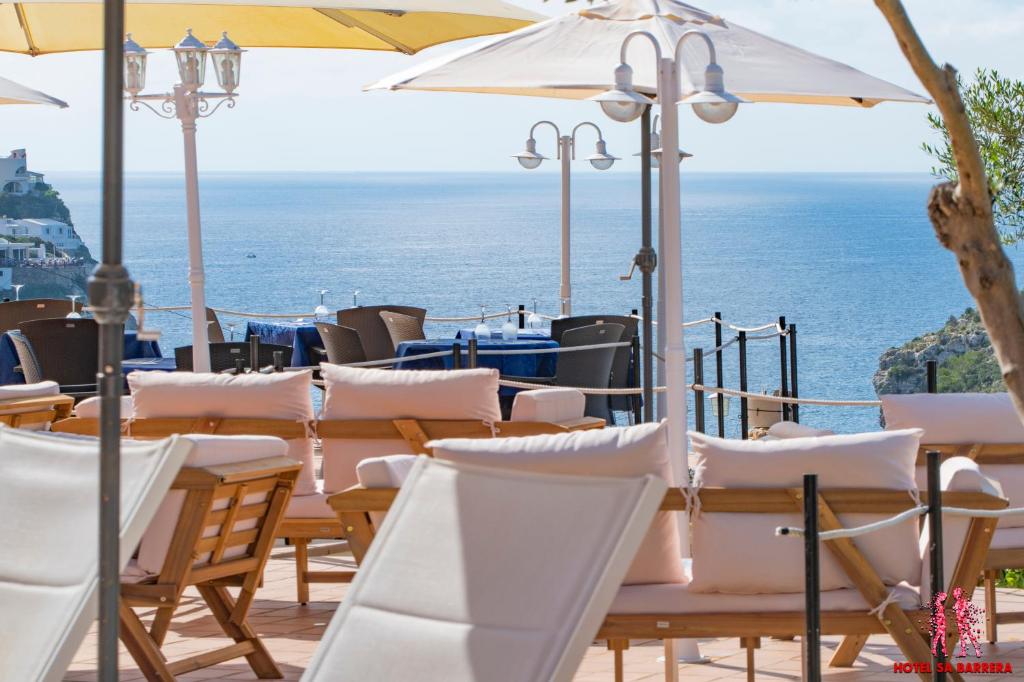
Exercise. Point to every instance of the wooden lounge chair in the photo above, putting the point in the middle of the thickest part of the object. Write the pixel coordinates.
(986, 428)
(366, 413)
(436, 601)
(33, 406)
(215, 529)
(859, 576)
(49, 562)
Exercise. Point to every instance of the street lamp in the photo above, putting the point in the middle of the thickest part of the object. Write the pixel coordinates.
(712, 104)
(530, 159)
(188, 103)
(656, 146)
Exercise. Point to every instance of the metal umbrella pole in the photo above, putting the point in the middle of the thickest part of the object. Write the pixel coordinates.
(110, 296)
(647, 261)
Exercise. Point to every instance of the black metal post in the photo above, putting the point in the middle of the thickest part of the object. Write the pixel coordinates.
(783, 369)
(720, 399)
(935, 553)
(698, 395)
(794, 390)
(647, 260)
(812, 605)
(254, 352)
(472, 353)
(110, 296)
(932, 369)
(239, 366)
(635, 399)
(456, 355)
(278, 360)
(744, 417)
(522, 316)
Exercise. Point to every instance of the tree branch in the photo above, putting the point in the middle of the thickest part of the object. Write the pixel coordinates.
(961, 213)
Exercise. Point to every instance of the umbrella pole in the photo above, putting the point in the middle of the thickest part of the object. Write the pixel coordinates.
(647, 261)
(110, 296)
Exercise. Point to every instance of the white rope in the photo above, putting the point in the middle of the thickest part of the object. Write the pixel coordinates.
(986, 513)
(582, 389)
(787, 400)
(692, 496)
(892, 598)
(857, 530)
(764, 337)
(470, 318)
(540, 351)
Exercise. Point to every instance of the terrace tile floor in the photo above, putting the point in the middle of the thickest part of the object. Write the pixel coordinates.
(292, 632)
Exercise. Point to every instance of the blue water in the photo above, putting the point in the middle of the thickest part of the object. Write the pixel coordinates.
(850, 258)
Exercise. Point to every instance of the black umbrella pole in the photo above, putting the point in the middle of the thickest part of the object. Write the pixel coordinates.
(110, 296)
(647, 261)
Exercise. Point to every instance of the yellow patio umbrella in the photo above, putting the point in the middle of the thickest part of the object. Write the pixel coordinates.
(39, 27)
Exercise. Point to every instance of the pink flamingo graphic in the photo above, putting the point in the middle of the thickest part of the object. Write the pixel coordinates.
(966, 622)
(939, 624)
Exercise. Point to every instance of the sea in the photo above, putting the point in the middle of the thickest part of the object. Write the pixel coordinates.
(851, 259)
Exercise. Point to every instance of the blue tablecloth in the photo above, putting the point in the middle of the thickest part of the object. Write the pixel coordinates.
(301, 336)
(534, 365)
(149, 365)
(133, 348)
(531, 334)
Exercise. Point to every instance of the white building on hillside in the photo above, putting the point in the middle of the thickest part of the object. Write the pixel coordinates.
(20, 252)
(15, 176)
(61, 235)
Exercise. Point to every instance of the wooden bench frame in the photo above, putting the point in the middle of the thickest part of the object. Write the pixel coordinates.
(997, 560)
(203, 487)
(298, 530)
(35, 410)
(909, 628)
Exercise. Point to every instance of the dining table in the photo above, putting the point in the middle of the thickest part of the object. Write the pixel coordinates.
(134, 349)
(301, 335)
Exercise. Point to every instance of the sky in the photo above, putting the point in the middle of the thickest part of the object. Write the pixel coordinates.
(304, 110)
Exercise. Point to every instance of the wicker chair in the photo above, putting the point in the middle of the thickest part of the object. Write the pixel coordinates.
(402, 327)
(341, 344)
(214, 332)
(373, 333)
(223, 355)
(13, 313)
(586, 368)
(624, 360)
(66, 351)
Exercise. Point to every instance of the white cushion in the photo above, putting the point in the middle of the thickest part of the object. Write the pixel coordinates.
(723, 543)
(49, 560)
(282, 395)
(548, 405)
(631, 451)
(90, 407)
(357, 393)
(37, 390)
(208, 451)
(313, 506)
(1007, 538)
(384, 472)
(795, 430)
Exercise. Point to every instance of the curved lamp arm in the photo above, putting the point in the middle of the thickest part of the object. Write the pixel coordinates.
(572, 143)
(646, 34)
(558, 135)
(712, 54)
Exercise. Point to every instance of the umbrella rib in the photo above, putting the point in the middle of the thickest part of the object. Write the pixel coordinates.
(347, 20)
(19, 10)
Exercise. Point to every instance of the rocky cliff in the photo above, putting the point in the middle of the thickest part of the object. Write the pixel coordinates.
(963, 352)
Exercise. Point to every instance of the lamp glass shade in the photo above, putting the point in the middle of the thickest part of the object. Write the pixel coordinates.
(134, 66)
(601, 159)
(227, 63)
(190, 54)
(715, 112)
(622, 111)
(622, 103)
(529, 162)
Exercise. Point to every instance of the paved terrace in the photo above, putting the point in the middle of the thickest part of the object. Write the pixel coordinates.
(291, 633)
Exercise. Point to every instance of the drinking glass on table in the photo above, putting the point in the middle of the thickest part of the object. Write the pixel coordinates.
(509, 330)
(17, 291)
(534, 320)
(74, 314)
(321, 313)
(482, 331)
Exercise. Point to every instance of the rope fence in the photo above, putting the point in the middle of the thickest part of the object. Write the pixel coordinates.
(898, 519)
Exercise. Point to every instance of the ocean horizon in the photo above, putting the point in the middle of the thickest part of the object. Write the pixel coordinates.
(849, 257)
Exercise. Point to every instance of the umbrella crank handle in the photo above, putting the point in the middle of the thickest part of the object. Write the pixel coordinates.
(629, 275)
(645, 259)
(142, 333)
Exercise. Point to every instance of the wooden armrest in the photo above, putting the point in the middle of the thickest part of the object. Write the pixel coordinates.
(360, 499)
(582, 424)
(234, 472)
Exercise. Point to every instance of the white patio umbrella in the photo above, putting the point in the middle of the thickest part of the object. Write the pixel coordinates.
(15, 93)
(574, 57)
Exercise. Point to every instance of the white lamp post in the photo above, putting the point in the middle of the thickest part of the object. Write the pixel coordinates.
(714, 105)
(188, 104)
(600, 159)
(656, 146)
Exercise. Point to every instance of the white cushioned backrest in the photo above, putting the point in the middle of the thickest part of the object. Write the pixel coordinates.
(50, 507)
(548, 405)
(384, 472)
(37, 390)
(90, 407)
(481, 574)
(967, 419)
(795, 430)
(207, 451)
(632, 451)
(723, 543)
(282, 395)
(357, 393)
(958, 474)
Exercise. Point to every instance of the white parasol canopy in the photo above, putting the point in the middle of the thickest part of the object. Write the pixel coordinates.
(14, 93)
(574, 57)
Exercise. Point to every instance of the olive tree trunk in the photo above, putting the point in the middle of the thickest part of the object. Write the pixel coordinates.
(961, 212)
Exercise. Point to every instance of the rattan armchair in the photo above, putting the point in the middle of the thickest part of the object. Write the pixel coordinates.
(61, 350)
(341, 344)
(13, 313)
(624, 360)
(373, 333)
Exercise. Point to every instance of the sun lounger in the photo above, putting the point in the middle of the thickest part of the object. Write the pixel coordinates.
(986, 428)
(33, 406)
(49, 562)
(444, 597)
